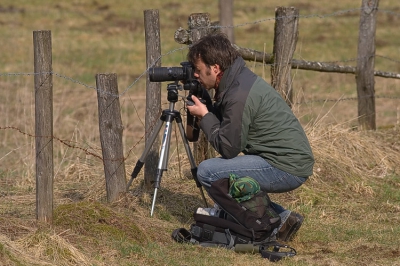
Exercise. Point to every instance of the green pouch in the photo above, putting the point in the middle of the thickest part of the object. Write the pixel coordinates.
(243, 188)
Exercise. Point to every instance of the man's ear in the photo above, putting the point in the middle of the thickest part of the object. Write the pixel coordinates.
(216, 69)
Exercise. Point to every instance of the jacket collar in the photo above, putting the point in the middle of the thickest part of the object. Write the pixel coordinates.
(229, 77)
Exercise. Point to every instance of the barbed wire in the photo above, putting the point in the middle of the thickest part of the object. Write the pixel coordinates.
(87, 151)
(337, 13)
(74, 144)
(349, 99)
(388, 58)
(282, 17)
(96, 152)
(333, 14)
(152, 65)
(390, 12)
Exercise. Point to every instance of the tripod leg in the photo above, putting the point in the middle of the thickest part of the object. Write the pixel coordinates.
(163, 162)
(191, 160)
(140, 162)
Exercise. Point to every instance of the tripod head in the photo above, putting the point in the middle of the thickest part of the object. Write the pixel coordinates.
(172, 91)
(192, 123)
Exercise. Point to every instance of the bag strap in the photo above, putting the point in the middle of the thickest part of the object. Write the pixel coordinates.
(276, 254)
(181, 235)
(270, 250)
(207, 236)
(224, 223)
(211, 238)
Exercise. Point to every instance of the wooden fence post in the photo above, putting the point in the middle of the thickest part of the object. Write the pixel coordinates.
(43, 125)
(153, 92)
(285, 40)
(199, 24)
(365, 65)
(226, 18)
(110, 126)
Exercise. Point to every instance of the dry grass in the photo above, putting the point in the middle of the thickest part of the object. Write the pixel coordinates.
(356, 179)
(351, 203)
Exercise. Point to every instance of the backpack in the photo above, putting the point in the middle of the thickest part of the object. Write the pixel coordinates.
(243, 222)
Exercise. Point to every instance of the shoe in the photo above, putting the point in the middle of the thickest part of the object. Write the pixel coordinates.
(289, 229)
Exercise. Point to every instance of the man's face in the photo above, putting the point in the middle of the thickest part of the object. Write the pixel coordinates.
(206, 75)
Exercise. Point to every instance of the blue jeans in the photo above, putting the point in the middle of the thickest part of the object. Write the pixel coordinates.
(271, 179)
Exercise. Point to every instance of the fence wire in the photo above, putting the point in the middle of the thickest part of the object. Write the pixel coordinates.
(306, 102)
(153, 64)
(94, 153)
(320, 16)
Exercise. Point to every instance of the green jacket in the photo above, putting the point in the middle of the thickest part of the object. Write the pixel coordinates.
(251, 117)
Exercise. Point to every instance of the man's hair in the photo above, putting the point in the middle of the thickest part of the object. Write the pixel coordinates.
(213, 49)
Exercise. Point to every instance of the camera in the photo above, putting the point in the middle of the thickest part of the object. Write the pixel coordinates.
(185, 74)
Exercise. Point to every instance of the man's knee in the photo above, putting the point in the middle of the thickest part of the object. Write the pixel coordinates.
(204, 174)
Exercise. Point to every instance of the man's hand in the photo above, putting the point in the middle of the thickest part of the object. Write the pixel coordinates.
(198, 109)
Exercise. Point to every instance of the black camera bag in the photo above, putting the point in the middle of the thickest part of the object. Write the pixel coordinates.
(249, 226)
(255, 214)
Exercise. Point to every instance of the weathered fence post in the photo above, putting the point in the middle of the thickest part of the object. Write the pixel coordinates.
(285, 40)
(43, 125)
(199, 26)
(110, 126)
(365, 65)
(226, 18)
(153, 91)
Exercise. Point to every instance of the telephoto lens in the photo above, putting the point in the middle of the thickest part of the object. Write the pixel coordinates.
(160, 74)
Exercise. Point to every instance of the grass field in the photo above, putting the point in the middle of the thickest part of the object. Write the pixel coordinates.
(351, 203)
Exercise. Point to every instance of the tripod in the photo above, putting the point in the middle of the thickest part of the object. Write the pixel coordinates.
(167, 116)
